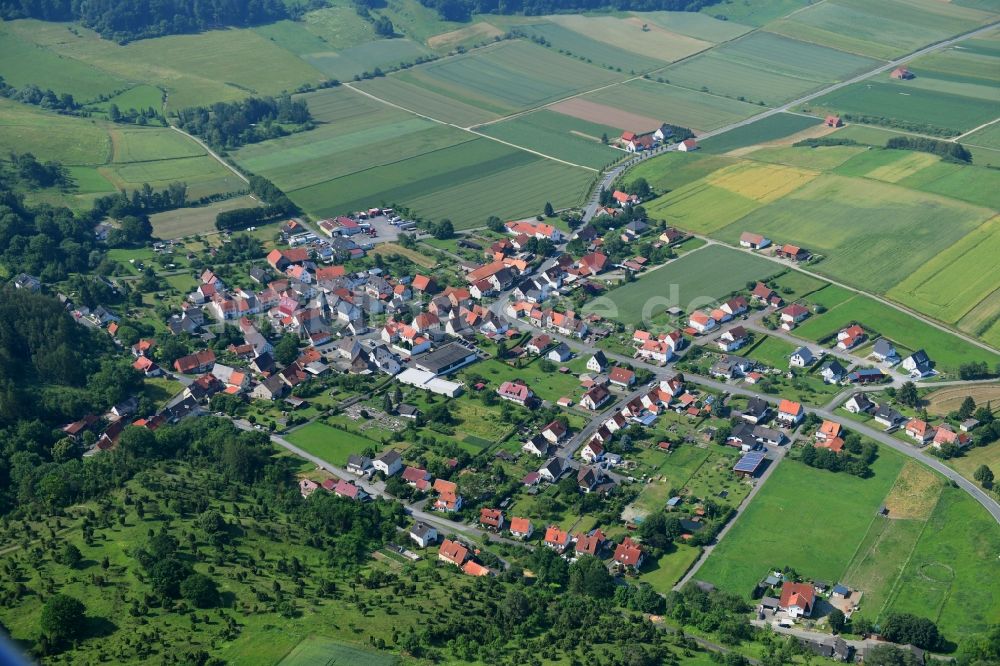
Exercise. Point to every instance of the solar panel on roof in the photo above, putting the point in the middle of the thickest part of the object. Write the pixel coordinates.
(749, 462)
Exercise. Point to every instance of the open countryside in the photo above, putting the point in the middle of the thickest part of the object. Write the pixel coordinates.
(400, 333)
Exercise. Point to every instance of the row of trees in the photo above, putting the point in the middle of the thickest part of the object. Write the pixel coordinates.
(462, 10)
(947, 149)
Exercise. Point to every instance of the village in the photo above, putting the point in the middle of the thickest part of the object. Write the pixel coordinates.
(482, 396)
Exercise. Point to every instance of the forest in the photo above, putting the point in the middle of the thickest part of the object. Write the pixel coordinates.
(462, 10)
(226, 125)
(127, 20)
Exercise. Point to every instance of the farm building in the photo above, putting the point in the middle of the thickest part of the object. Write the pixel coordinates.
(753, 241)
(902, 74)
(750, 464)
(833, 121)
(687, 145)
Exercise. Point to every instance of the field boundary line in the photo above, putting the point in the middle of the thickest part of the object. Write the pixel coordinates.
(902, 569)
(469, 130)
(976, 129)
(212, 153)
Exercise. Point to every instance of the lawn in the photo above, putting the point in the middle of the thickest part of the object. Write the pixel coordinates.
(762, 131)
(953, 574)
(772, 352)
(947, 351)
(187, 221)
(953, 282)
(872, 234)
(328, 443)
(558, 135)
(808, 519)
(664, 573)
(694, 280)
(766, 67)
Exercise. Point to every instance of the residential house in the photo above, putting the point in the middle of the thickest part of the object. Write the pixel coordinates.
(757, 410)
(741, 435)
(945, 435)
(516, 392)
(416, 477)
(592, 452)
(753, 241)
(196, 363)
(832, 372)
(850, 337)
(147, 367)
(731, 366)
(790, 413)
(588, 478)
(701, 322)
(555, 431)
(866, 376)
(537, 446)
(622, 377)
(491, 519)
(448, 498)
(554, 469)
(453, 552)
(884, 352)
(423, 535)
(761, 293)
(793, 252)
(521, 528)
(594, 398)
(792, 315)
(307, 487)
(347, 490)
(590, 543)
(733, 339)
(797, 599)
(859, 404)
(271, 388)
(560, 353)
(801, 358)
(687, 146)
(628, 555)
(829, 430)
(389, 463)
(556, 539)
(538, 344)
(888, 416)
(598, 362)
(918, 364)
(919, 431)
(360, 465)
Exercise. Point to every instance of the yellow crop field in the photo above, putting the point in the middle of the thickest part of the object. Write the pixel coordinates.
(761, 182)
(907, 165)
(955, 281)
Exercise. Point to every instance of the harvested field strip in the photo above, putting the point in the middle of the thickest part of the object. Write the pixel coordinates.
(915, 493)
(949, 399)
(953, 282)
(984, 320)
(652, 41)
(906, 165)
(601, 114)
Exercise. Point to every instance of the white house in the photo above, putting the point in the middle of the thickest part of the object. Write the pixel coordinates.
(389, 463)
(423, 534)
(790, 413)
(701, 322)
(801, 358)
(598, 362)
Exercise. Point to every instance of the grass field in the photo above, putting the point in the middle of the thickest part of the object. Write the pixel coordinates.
(187, 221)
(898, 100)
(318, 651)
(729, 194)
(507, 77)
(696, 25)
(884, 30)
(673, 104)
(953, 574)
(772, 351)
(791, 523)
(766, 67)
(952, 282)
(487, 177)
(187, 67)
(672, 170)
(821, 158)
(558, 135)
(365, 57)
(762, 131)
(858, 224)
(880, 560)
(664, 573)
(987, 136)
(329, 443)
(947, 351)
(72, 141)
(565, 38)
(653, 40)
(692, 281)
(357, 134)
(755, 13)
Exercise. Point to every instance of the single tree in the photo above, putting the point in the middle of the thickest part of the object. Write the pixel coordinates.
(836, 620)
(62, 617)
(549, 211)
(200, 590)
(69, 555)
(984, 475)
